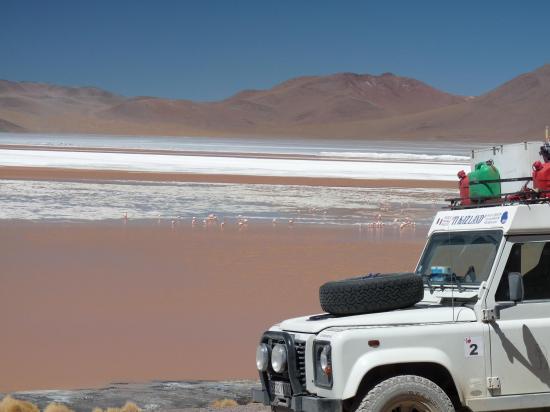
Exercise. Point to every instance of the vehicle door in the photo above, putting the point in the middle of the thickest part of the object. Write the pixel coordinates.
(520, 336)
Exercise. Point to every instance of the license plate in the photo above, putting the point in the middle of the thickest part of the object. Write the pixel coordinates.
(281, 389)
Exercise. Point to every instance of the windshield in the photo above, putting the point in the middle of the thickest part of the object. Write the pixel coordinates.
(464, 257)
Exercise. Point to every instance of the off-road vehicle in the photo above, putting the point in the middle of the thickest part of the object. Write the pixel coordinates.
(469, 329)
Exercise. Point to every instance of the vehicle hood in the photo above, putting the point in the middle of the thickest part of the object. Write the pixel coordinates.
(415, 315)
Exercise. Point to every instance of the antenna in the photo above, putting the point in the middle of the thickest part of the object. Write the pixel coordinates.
(546, 134)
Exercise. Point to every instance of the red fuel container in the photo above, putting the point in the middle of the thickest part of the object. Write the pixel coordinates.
(464, 187)
(541, 177)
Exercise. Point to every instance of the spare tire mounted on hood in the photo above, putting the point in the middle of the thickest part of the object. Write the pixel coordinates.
(371, 293)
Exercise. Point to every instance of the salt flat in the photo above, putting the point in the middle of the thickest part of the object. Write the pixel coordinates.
(231, 165)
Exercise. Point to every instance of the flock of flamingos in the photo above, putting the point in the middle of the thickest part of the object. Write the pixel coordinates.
(213, 222)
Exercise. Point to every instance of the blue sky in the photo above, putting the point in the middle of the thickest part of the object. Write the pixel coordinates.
(208, 50)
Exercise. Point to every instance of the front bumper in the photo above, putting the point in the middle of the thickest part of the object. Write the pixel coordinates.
(300, 403)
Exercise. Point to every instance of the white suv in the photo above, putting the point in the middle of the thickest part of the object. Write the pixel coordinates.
(477, 340)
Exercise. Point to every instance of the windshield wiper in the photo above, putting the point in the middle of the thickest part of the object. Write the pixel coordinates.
(453, 279)
(459, 286)
(428, 281)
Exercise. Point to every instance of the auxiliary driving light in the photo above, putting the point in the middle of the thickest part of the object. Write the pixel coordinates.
(262, 357)
(278, 358)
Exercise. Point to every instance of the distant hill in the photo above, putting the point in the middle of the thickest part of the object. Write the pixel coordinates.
(341, 105)
(6, 126)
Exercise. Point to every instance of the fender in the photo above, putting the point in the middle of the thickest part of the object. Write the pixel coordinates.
(373, 359)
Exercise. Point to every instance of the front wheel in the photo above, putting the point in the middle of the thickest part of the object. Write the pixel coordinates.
(406, 393)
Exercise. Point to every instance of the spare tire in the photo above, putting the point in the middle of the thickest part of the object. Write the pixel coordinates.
(371, 293)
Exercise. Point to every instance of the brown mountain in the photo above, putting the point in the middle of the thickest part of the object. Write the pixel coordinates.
(339, 105)
(518, 109)
(343, 97)
(6, 126)
(305, 100)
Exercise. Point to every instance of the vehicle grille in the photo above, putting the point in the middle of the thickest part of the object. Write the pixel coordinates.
(300, 347)
(301, 361)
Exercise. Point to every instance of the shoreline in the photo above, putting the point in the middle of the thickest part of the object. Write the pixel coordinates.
(91, 175)
(255, 227)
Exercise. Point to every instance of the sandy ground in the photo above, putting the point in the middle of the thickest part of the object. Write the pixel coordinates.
(83, 305)
(154, 396)
(41, 173)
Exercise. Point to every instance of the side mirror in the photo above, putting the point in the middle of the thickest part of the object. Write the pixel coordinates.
(515, 284)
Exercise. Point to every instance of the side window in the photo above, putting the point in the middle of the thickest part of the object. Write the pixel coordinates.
(532, 260)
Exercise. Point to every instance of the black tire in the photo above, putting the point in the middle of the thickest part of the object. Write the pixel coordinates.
(372, 293)
(406, 393)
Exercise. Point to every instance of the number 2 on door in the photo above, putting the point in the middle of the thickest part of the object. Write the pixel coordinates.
(473, 346)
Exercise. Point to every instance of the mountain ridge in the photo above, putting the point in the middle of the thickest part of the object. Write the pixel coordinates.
(340, 105)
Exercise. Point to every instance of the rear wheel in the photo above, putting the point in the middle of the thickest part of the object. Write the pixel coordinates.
(406, 393)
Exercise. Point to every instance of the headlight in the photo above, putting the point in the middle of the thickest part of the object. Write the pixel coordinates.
(262, 357)
(278, 358)
(324, 360)
(323, 364)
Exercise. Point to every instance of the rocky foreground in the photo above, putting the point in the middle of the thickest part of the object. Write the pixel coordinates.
(229, 396)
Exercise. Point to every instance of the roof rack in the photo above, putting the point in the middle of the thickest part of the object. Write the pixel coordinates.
(524, 196)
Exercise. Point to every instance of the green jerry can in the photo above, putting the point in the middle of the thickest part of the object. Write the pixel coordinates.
(484, 171)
